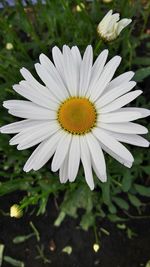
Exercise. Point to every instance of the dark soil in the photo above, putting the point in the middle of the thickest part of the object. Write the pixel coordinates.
(117, 250)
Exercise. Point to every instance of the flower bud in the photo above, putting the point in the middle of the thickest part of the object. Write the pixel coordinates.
(107, 1)
(110, 27)
(16, 211)
(80, 7)
(9, 46)
(96, 247)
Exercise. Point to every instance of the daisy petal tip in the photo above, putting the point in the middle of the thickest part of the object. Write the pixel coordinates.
(37, 65)
(103, 178)
(129, 164)
(19, 147)
(5, 104)
(106, 51)
(147, 144)
(62, 182)
(55, 48)
(129, 21)
(15, 86)
(11, 143)
(53, 167)
(41, 58)
(41, 55)
(140, 92)
(23, 70)
(2, 129)
(91, 186)
(26, 168)
(147, 112)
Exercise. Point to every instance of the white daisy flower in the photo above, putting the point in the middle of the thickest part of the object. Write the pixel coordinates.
(110, 27)
(76, 115)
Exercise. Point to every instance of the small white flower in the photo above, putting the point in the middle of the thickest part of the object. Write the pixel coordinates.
(96, 247)
(80, 7)
(16, 211)
(110, 27)
(107, 1)
(9, 46)
(77, 113)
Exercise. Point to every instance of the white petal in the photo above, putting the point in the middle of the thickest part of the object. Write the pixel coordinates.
(128, 127)
(58, 60)
(122, 24)
(144, 112)
(97, 157)
(113, 154)
(29, 131)
(85, 70)
(123, 116)
(74, 158)
(63, 171)
(132, 139)
(16, 127)
(61, 151)
(43, 153)
(105, 77)
(86, 161)
(109, 14)
(34, 135)
(70, 71)
(27, 91)
(114, 146)
(34, 83)
(49, 66)
(28, 110)
(114, 93)
(120, 80)
(76, 56)
(97, 70)
(52, 85)
(121, 101)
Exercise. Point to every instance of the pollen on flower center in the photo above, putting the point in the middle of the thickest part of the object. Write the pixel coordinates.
(77, 115)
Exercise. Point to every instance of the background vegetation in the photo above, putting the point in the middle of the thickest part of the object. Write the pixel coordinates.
(35, 28)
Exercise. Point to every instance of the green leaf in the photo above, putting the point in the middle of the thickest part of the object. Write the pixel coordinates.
(148, 264)
(21, 239)
(1, 253)
(13, 185)
(105, 231)
(121, 203)
(121, 226)
(60, 218)
(14, 262)
(142, 61)
(142, 190)
(115, 218)
(67, 249)
(134, 200)
(112, 208)
(130, 233)
(106, 192)
(146, 169)
(127, 181)
(141, 74)
(87, 220)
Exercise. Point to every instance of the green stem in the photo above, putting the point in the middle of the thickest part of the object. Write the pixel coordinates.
(97, 46)
(96, 236)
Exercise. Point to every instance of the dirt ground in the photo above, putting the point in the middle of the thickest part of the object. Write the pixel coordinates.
(116, 250)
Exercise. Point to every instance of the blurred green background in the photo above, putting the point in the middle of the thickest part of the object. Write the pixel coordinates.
(28, 29)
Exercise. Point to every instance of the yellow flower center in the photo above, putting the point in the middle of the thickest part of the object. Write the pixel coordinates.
(77, 115)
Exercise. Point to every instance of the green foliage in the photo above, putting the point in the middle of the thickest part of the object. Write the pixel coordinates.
(37, 28)
(141, 74)
(13, 262)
